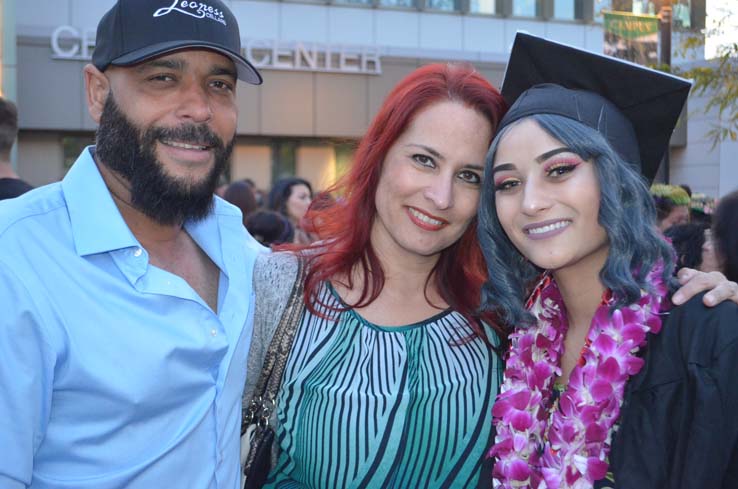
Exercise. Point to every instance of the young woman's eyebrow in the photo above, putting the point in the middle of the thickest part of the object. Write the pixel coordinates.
(502, 167)
(551, 153)
(539, 159)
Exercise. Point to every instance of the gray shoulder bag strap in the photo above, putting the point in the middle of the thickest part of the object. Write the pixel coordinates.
(256, 433)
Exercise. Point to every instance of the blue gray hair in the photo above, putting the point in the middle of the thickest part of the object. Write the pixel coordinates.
(626, 213)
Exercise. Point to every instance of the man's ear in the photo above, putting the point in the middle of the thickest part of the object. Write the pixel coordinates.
(97, 88)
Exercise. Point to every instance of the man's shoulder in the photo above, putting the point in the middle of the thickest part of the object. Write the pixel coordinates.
(32, 210)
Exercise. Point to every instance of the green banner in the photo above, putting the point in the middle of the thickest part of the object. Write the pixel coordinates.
(631, 26)
(632, 37)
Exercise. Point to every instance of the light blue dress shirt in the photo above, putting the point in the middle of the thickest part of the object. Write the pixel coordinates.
(115, 373)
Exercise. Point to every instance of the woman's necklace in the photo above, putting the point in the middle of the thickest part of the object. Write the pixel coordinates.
(567, 447)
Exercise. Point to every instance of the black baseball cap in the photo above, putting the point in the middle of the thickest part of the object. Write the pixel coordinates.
(634, 107)
(136, 30)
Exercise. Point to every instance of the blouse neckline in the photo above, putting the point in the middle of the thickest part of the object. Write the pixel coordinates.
(387, 329)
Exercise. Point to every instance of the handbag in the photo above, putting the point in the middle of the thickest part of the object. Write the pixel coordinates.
(257, 435)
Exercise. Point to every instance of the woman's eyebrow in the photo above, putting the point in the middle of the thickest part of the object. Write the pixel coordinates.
(428, 149)
(553, 152)
(503, 167)
(539, 159)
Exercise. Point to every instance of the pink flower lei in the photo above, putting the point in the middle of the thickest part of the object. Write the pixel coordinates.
(567, 448)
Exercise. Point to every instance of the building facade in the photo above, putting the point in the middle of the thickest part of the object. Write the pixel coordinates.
(327, 67)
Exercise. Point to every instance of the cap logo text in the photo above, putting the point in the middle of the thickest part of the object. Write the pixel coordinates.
(198, 10)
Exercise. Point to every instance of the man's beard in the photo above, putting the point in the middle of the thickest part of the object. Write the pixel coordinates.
(130, 152)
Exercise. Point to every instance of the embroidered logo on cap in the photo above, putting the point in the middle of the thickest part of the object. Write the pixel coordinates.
(199, 10)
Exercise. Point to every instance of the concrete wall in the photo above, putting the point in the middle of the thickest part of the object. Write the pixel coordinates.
(254, 162)
(40, 158)
(709, 169)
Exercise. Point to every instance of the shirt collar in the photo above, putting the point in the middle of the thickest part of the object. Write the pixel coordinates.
(97, 225)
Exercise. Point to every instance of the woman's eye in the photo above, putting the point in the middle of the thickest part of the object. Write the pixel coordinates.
(470, 177)
(560, 170)
(507, 184)
(422, 159)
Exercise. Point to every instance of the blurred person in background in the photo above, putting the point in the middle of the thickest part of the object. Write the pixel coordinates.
(672, 205)
(258, 193)
(725, 234)
(701, 208)
(10, 184)
(242, 196)
(269, 227)
(291, 197)
(693, 246)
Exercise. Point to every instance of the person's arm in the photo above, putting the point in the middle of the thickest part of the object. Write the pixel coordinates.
(693, 282)
(26, 375)
(711, 346)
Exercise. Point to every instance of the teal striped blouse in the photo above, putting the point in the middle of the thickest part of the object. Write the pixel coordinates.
(363, 405)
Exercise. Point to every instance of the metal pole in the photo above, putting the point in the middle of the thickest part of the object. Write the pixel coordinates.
(665, 60)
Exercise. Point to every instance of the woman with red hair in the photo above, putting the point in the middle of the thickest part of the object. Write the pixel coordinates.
(392, 372)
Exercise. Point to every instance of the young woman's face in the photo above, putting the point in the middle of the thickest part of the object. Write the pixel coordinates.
(298, 202)
(547, 200)
(429, 186)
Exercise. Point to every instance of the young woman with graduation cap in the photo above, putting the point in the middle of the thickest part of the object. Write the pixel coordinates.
(606, 384)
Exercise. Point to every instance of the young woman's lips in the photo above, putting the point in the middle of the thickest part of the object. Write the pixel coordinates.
(546, 229)
(426, 221)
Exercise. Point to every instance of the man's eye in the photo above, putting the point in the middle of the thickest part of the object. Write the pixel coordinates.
(162, 78)
(223, 85)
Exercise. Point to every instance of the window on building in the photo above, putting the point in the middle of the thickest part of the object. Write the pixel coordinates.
(397, 3)
(564, 9)
(446, 5)
(482, 6)
(354, 2)
(525, 8)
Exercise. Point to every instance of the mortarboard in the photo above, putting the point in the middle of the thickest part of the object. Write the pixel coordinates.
(634, 107)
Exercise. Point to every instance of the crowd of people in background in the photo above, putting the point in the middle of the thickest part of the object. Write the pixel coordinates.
(702, 230)
(276, 217)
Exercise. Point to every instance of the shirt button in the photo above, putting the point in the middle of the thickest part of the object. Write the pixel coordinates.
(138, 252)
(213, 332)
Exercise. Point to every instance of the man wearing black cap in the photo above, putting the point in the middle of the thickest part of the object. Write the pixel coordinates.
(126, 288)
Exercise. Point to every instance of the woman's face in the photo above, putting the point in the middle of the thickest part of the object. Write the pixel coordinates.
(547, 200)
(298, 202)
(710, 262)
(429, 185)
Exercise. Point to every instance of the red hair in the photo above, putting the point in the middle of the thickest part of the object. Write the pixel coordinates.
(344, 227)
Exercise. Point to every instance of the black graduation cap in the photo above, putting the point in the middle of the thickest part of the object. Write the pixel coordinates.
(634, 107)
